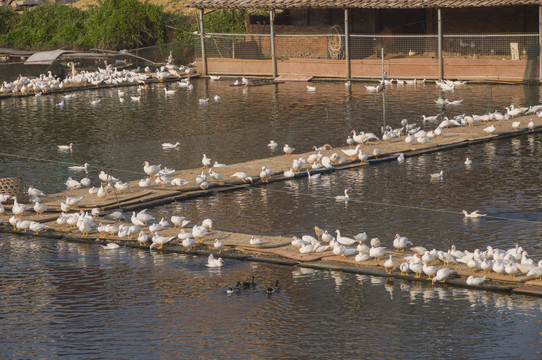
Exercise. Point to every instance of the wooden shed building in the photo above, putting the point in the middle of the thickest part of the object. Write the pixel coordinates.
(474, 40)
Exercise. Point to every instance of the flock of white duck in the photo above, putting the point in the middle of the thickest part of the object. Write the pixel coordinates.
(110, 76)
(512, 261)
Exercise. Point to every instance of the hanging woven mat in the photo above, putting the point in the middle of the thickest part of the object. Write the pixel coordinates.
(15, 187)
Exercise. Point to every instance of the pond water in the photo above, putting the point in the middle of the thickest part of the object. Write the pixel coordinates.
(81, 301)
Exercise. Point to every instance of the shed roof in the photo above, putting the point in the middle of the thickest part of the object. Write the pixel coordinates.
(353, 4)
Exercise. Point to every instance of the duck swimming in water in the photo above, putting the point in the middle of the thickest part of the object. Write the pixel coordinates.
(271, 289)
(248, 284)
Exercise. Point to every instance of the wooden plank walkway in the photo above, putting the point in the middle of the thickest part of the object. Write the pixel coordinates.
(276, 249)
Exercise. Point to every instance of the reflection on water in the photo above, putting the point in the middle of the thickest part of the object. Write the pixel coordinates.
(78, 299)
(120, 136)
(75, 300)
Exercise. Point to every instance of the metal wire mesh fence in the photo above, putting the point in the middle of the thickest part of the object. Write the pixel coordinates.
(332, 46)
(237, 46)
(491, 46)
(395, 46)
(182, 51)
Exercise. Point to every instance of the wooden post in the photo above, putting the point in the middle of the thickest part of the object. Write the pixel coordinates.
(233, 34)
(347, 45)
(202, 37)
(540, 43)
(272, 39)
(440, 60)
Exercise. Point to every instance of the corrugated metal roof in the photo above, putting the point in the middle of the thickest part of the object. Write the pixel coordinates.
(45, 57)
(353, 4)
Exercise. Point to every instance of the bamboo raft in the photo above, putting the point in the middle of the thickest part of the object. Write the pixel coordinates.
(277, 249)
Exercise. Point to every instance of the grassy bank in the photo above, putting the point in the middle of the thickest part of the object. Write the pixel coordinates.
(104, 24)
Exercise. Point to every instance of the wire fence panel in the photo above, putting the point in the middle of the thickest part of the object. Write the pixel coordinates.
(236, 46)
(309, 47)
(395, 46)
(332, 46)
(182, 51)
(488, 46)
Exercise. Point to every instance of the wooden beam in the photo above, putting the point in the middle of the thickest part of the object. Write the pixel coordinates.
(540, 43)
(202, 38)
(440, 60)
(347, 45)
(272, 40)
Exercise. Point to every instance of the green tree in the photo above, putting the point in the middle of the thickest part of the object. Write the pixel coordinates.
(46, 26)
(124, 24)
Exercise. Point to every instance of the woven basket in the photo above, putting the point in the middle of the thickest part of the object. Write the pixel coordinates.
(15, 187)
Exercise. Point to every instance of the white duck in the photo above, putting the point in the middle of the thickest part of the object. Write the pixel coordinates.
(72, 200)
(255, 241)
(179, 182)
(212, 262)
(265, 174)
(207, 223)
(362, 248)
(72, 184)
(23, 225)
(400, 242)
(206, 161)
(241, 175)
(351, 152)
(416, 268)
(151, 170)
(179, 221)
(389, 265)
(441, 275)
(377, 252)
(65, 147)
(159, 241)
(143, 216)
(429, 270)
(215, 175)
(199, 232)
(288, 149)
(79, 168)
(343, 198)
(360, 257)
(18, 209)
(188, 243)
(37, 227)
(476, 281)
(490, 129)
(169, 146)
(110, 246)
(535, 272)
(142, 238)
(39, 208)
(473, 215)
(343, 240)
(219, 245)
(35, 192)
(437, 176)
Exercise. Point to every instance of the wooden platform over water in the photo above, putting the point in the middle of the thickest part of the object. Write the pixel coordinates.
(277, 249)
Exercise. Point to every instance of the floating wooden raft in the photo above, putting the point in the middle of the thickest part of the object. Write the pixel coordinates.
(277, 249)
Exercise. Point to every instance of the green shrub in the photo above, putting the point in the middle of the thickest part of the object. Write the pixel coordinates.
(46, 26)
(220, 21)
(124, 24)
(110, 24)
(8, 18)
